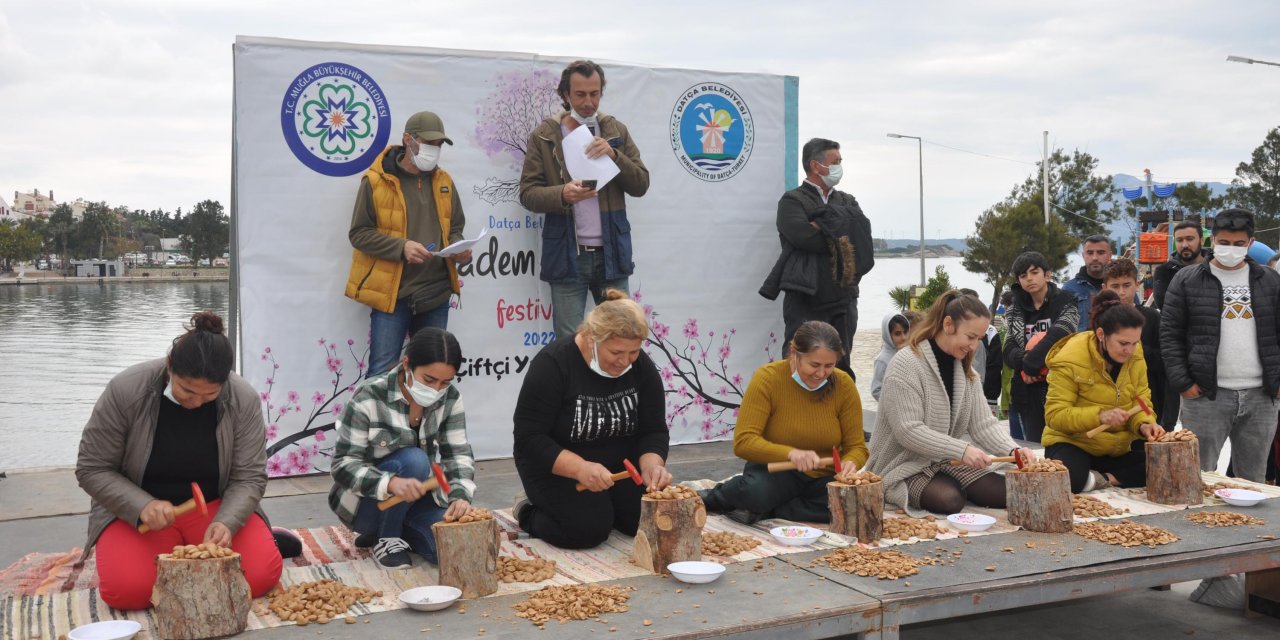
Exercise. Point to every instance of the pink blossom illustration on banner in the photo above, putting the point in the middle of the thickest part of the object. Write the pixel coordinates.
(701, 391)
(294, 435)
(519, 102)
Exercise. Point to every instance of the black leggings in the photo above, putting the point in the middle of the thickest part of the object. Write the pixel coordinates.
(944, 494)
(572, 519)
(788, 494)
(1129, 469)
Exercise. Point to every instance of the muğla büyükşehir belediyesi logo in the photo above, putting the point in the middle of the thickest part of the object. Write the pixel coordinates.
(711, 131)
(335, 119)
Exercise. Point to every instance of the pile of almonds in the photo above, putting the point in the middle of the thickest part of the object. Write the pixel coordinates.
(535, 570)
(199, 552)
(1045, 465)
(727, 543)
(1223, 519)
(318, 601)
(673, 492)
(857, 477)
(1089, 507)
(474, 515)
(885, 565)
(925, 528)
(1181, 435)
(572, 602)
(1125, 533)
(1210, 488)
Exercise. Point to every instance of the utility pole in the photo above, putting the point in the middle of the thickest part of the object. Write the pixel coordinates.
(1044, 167)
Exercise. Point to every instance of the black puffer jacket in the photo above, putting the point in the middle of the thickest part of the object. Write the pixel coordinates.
(1190, 327)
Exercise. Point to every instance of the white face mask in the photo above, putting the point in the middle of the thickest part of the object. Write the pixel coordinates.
(427, 157)
(1229, 256)
(834, 173)
(422, 395)
(590, 120)
(595, 363)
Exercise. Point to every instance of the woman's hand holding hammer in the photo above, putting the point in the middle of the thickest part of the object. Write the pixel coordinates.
(157, 515)
(804, 460)
(406, 489)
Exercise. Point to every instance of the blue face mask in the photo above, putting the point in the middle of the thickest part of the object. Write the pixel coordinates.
(795, 375)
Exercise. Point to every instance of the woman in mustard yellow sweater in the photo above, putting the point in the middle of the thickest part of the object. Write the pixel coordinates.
(1096, 378)
(795, 409)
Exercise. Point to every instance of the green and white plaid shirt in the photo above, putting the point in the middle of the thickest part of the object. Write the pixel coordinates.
(376, 423)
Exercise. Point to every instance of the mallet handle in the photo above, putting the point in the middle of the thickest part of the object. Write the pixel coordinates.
(189, 505)
(994, 459)
(430, 484)
(775, 467)
(621, 475)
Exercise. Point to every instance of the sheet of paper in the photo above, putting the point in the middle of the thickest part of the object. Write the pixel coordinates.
(461, 245)
(580, 167)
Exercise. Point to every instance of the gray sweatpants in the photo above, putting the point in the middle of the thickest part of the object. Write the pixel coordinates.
(1248, 417)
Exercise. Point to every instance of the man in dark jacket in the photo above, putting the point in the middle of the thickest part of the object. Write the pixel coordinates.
(1121, 277)
(1220, 336)
(1096, 252)
(826, 249)
(1041, 315)
(1189, 239)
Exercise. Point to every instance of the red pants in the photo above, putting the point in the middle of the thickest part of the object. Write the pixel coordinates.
(127, 559)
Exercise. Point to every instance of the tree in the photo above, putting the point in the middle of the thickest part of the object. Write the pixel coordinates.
(937, 285)
(1073, 187)
(1005, 231)
(519, 102)
(1256, 186)
(98, 224)
(207, 231)
(1194, 197)
(61, 229)
(18, 243)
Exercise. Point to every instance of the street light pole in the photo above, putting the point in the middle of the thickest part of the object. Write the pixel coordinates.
(1245, 60)
(920, 156)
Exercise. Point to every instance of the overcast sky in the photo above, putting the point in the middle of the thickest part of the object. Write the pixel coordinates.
(130, 101)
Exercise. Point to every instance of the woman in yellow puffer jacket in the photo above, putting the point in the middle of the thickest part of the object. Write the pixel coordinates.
(1097, 378)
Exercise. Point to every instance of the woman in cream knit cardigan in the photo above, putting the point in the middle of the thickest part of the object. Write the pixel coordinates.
(932, 411)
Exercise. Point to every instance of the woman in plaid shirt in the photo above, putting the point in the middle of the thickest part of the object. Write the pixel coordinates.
(395, 426)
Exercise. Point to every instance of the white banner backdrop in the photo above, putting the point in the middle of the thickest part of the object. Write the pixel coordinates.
(310, 118)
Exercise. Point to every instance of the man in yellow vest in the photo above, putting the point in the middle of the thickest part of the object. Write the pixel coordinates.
(406, 208)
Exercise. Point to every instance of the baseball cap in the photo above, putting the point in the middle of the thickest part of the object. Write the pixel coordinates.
(426, 125)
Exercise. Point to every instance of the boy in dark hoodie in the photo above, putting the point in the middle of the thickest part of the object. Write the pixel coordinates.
(1041, 315)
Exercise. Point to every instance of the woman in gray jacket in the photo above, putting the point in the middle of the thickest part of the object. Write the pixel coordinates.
(158, 428)
(932, 411)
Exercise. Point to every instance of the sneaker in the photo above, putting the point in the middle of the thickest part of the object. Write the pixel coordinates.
(392, 553)
(1099, 481)
(522, 501)
(366, 540)
(742, 516)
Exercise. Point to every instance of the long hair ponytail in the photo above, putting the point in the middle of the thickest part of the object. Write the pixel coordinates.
(955, 305)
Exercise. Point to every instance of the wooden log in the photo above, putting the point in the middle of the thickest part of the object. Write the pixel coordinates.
(669, 531)
(1039, 500)
(857, 510)
(1173, 472)
(205, 598)
(468, 554)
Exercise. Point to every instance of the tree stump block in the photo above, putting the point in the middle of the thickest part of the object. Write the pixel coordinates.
(205, 598)
(857, 510)
(669, 531)
(1173, 472)
(1040, 500)
(468, 554)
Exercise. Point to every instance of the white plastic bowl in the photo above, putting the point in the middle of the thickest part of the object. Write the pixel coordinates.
(970, 521)
(1240, 497)
(696, 572)
(106, 630)
(433, 598)
(795, 535)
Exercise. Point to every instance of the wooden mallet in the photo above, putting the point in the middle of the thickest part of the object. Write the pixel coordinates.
(430, 484)
(196, 502)
(1103, 427)
(631, 472)
(775, 467)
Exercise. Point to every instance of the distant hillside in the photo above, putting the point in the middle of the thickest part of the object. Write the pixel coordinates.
(958, 244)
